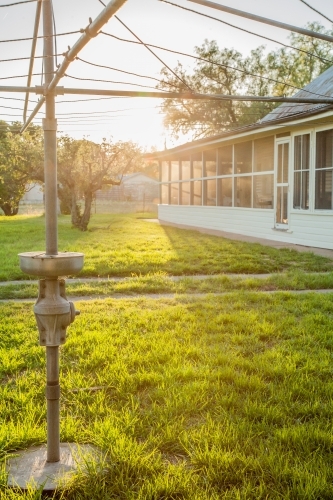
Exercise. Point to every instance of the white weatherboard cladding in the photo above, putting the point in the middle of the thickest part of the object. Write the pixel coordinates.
(315, 230)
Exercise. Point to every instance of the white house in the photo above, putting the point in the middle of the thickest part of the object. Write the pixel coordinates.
(272, 179)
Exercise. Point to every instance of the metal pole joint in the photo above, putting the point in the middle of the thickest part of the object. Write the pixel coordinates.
(43, 89)
(88, 32)
(53, 312)
(49, 124)
(52, 392)
(66, 56)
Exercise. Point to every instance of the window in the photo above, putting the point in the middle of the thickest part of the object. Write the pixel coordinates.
(174, 194)
(301, 171)
(243, 191)
(185, 168)
(282, 205)
(174, 171)
(243, 158)
(210, 163)
(240, 175)
(264, 154)
(197, 192)
(283, 163)
(210, 192)
(165, 171)
(224, 192)
(225, 160)
(197, 165)
(165, 194)
(324, 169)
(185, 193)
(263, 189)
(282, 185)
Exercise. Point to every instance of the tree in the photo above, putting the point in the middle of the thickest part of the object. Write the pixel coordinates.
(226, 71)
(20, 163)
(84, 167)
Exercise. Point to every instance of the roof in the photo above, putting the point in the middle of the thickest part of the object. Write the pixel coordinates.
(128, 177)
(322, 86)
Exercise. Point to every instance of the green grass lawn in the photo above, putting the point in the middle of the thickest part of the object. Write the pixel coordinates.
(188, 398)
(226, 397)
(126, 245)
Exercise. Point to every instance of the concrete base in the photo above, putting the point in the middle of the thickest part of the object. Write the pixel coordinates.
(30, 468)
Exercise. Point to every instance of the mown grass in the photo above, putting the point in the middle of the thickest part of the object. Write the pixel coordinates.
(123, 245)
(160, 283)
(226, 397)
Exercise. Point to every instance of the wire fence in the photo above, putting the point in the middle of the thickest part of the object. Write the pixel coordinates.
(137, 192)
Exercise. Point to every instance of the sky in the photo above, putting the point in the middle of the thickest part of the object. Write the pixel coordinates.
(154, 22)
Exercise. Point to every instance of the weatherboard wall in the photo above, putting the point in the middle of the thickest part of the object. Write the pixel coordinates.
(315, 230)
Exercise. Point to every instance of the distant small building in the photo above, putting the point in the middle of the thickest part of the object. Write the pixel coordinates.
(34, 194)
(133, 187)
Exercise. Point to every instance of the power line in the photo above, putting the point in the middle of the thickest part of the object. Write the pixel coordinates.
(92, 99)
(315, 10)
(116, 69)
(10, 107)
(13, 99)
(155, 55)
(17, 3)
(110, 81)
(41, 36)
(247, 31)
(213, 62)
(147, 47)
(66, 101)
(19, 76)
(104, 112)
(22, 58)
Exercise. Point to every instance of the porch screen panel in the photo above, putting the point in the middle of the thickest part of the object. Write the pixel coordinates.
(263, 191)
(224, 192)
(185, 166)
(174, 194)
(243, 158)
(185, 193)
(301, 171)
(210, 192)
(165, 194)
(324, 170)
(197, 165)
(210, 163)
(264, 155)
(224, 166)
(165, 171)
(175, 171)
(197, 192)
(243, 191)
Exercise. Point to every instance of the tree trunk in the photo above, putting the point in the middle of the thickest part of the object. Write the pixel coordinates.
(78, 220)
(75, 211)
(88, 197)
(9, 210)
